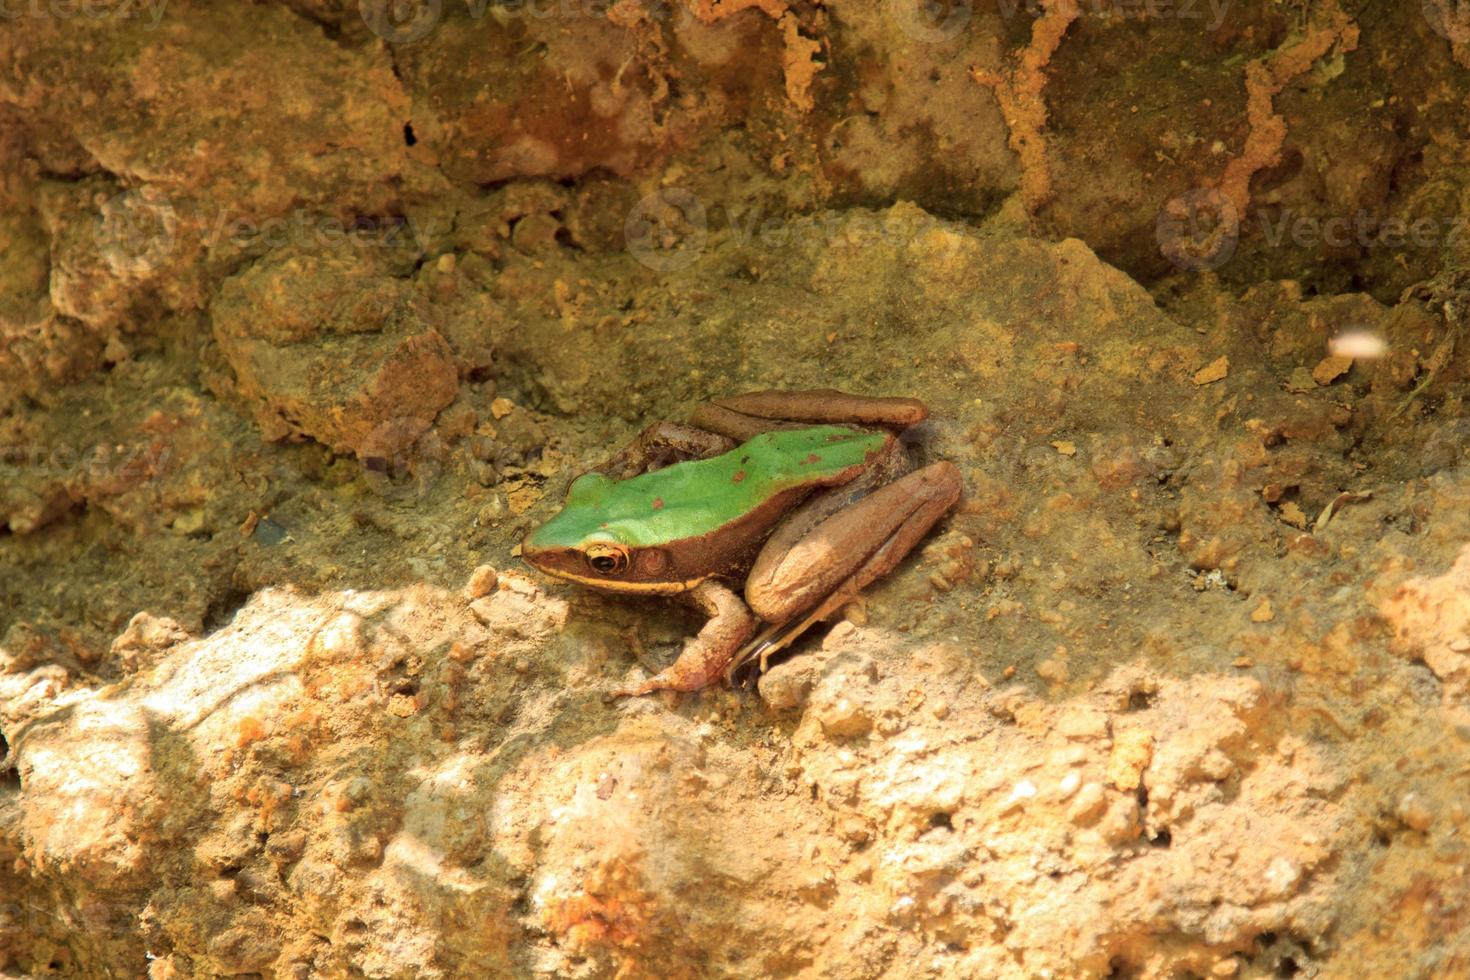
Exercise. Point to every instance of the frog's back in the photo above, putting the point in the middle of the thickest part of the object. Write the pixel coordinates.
(691, 499)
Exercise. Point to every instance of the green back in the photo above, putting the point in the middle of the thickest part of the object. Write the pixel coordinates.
(691, 499)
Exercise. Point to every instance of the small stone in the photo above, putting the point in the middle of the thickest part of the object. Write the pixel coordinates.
(287, 847)
(1082, 722)
(1133, 750)
(482, 582)
(446, 263)
(1216, 370)
(1064, 447)
(1088, 806)
(1300, 381)
(1069, 784)
(1053, 670)
(844, 718)
(787, 685)
(1293, 515)
(1281, 877)
(501, 407)
(1329, 369)
(1020, 793)
(1263, 613)
(1226, 967)
(1414, 813)
(492, 512)
(1243, 663)
(1121, 821)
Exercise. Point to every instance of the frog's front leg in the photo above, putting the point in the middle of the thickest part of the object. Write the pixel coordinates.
(706, 657)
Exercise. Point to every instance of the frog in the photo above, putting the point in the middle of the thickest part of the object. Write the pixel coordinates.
(769, 511)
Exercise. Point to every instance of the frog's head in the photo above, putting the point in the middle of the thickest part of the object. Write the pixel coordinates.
(587, 543)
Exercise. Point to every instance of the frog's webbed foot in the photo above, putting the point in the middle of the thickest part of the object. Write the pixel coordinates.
(663, 444)
(795, 584)
(705, 657)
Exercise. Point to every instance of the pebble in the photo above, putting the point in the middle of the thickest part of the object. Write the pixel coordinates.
(1088, 805)
(482, 582)
(844, 718)
(1414, 813)
(1054, 671)
(1282, 876)
(1020, 793)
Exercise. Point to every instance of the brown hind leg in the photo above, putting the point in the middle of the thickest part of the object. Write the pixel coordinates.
(800, 583)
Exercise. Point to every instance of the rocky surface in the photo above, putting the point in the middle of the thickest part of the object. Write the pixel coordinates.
(1180, 689)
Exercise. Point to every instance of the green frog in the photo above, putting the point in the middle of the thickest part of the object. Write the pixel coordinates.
(799, 498)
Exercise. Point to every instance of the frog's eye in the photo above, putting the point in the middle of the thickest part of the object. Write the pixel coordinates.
(606, 559)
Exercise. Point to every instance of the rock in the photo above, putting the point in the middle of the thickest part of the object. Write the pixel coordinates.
(1089, 805)
(843, 717)
(331, 346)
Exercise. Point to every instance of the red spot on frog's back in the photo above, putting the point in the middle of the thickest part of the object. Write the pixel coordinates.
(813, 458)
(658, 503)
(739, 477)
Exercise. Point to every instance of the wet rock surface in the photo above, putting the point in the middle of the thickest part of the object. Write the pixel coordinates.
(1179, 689)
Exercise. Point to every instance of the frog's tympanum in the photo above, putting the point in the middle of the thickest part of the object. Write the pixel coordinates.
(802, 497)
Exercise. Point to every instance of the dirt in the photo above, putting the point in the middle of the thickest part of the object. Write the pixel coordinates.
(307, 316)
